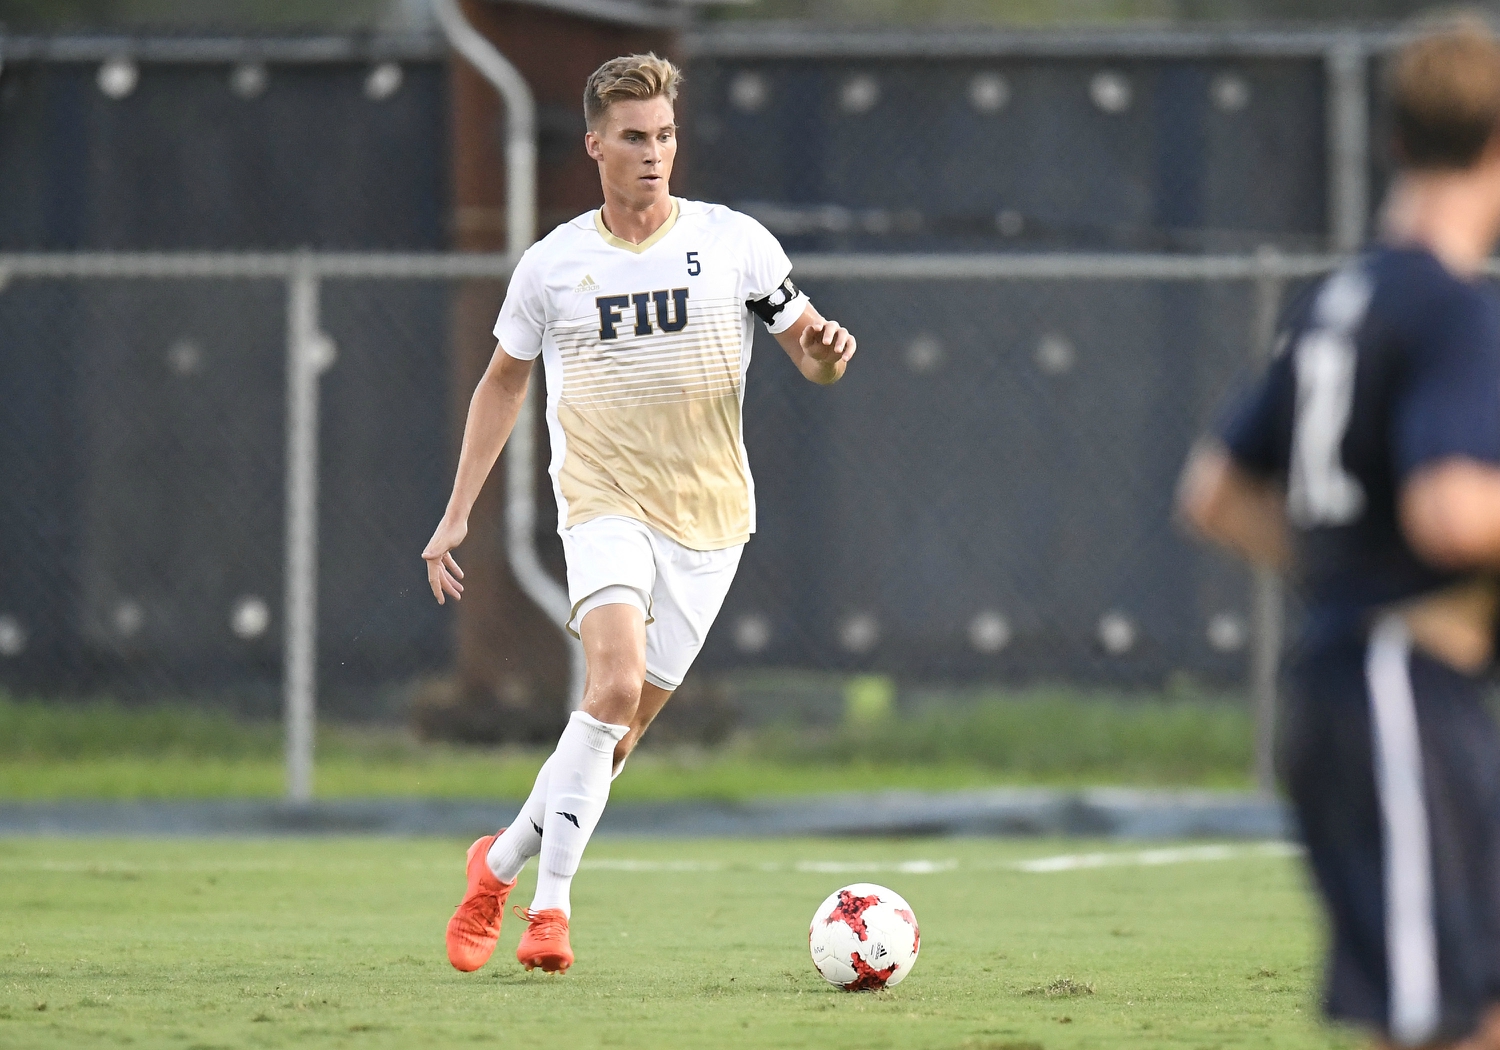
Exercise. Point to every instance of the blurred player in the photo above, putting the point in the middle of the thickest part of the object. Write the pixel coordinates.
(1367, 462)
(642, 313)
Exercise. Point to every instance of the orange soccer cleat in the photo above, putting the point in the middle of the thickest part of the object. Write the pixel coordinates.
(545, 942)
(475, 926)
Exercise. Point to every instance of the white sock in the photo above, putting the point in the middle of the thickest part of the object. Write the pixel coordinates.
(577, 789)
(614, 774)
(523, 839)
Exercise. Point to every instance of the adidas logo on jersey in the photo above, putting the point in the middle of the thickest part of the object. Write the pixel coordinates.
(587, 284)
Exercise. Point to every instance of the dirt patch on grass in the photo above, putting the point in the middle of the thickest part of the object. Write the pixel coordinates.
(1061, 988)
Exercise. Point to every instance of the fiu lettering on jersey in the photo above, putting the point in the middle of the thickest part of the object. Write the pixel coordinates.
(671, 312)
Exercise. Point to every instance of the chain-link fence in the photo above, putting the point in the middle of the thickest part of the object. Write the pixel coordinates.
(986, 497)
(1205, 155)
(934, 140)
(213, 144)
(988, 494)
(146, 469)
(217, 470)
(1146, 141)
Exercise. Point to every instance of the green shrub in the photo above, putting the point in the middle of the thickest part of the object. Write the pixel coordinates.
(1057, 735)
(56, 729)
(1042, 734)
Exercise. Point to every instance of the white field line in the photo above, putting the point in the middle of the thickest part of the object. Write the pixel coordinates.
(1034, 866)
(654, 866)
(105, 867)
(1147, 858)
(820, 867)
(906, 867)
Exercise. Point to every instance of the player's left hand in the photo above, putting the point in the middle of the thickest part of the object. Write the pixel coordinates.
(828, 343)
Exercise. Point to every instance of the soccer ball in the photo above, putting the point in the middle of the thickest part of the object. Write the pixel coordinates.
(864, 937)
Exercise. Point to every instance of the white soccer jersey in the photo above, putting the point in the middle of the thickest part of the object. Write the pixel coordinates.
(645, 348)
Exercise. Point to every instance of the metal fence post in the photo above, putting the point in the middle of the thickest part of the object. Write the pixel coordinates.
(1267, 599)
(1348, 118)
(308, 354)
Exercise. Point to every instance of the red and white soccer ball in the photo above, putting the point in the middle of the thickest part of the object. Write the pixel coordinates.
(864, 937)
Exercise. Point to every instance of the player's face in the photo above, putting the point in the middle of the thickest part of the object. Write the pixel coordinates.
(635, 146)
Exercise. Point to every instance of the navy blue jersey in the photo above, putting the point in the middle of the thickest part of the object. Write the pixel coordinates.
(1389, 364)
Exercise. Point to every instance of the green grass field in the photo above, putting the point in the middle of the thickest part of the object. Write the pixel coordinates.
(338, 943)
(106, 750)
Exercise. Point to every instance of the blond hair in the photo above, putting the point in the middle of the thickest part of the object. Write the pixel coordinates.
(637, 77)
(1445, 93)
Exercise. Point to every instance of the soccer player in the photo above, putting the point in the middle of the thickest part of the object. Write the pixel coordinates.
(1367, 462)
(642, 313)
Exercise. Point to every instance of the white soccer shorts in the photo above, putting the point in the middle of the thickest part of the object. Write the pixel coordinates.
(680, 590)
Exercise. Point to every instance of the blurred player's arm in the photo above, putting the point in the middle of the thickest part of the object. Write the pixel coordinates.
(492, 415)
(1445, 430)
(1450, 512)
(1228, 505)
(820, 349)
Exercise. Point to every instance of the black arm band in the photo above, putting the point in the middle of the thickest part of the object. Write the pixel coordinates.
(768, 308)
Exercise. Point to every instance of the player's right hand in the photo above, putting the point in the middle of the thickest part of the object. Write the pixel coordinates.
(443, 572)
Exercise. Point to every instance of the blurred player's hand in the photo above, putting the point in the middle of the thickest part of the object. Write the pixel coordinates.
(827, 343)
(443, 572)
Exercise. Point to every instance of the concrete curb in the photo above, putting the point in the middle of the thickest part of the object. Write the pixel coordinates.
(1096, 813)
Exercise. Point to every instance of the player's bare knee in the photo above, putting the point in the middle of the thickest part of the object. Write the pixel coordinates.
(613, 698)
